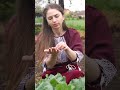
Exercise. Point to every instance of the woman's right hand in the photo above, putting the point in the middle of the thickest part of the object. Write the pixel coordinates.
(53, 51)
(52, 56)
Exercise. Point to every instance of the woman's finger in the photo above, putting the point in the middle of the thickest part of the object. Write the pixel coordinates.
(46, 50)
(50, 50)
(55, 50)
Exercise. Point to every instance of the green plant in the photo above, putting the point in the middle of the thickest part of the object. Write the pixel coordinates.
(58, 82)
(38, 19)
(78, 24)
(37, 29)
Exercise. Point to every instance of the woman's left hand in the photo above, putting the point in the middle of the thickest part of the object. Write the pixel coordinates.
(27, 58)
(62, 46)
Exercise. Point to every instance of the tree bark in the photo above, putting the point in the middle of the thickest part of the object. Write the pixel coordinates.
(48, 1)
(61, 3)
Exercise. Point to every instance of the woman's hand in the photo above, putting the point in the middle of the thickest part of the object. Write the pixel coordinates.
(52, 50)
(27, 58)
(62, 46)
(57, 48)
(92, 69)
(71, 54)
(52, 57)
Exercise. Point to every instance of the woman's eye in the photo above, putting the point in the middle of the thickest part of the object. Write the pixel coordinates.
(49, 18)
(56, 15)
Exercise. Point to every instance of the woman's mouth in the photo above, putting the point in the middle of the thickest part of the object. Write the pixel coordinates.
(55, 25)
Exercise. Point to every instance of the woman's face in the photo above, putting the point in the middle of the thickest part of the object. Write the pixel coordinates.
(54, 18)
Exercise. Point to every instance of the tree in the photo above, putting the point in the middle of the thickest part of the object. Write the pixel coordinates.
(7, 8)
(48, 1)
(61, 3)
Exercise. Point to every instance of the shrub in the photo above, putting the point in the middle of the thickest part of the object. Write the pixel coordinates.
(58, 82)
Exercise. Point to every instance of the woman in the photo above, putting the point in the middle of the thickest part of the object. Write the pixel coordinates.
(20, 42)
(98, 49)
(58, 46)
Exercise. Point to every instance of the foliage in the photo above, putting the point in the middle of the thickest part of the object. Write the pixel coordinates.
(38, 9)
(38, 20)
(105, 4)
(68, 15)
(37, 30)
(78, 24)
(111, 10)
(58, 82)
(6, 9)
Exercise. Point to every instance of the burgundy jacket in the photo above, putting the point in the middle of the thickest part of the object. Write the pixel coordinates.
(73, 40)
(98, 38)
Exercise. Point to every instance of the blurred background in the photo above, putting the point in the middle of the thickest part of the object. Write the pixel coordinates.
(74, 13)
(111, 10)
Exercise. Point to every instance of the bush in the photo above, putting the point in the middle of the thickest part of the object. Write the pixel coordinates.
(37, 30)
(58, 82)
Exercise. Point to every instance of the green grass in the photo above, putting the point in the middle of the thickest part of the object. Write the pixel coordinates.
(78, 24)
(38, 20)
(105, 4)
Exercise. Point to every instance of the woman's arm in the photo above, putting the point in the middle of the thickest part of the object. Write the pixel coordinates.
(50, 59)
(70, 53)
(92, 69)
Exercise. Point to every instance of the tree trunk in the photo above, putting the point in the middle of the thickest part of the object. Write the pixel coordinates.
(61, 3)
(48, 1)
(55, 1)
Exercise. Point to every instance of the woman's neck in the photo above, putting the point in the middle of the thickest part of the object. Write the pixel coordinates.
(58, 32)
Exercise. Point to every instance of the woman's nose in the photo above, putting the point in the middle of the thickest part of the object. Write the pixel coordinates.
(54, 19)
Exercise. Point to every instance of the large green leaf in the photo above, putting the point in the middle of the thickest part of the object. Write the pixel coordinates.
(58, 82)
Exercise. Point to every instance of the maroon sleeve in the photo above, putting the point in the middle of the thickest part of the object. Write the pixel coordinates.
(73, 40)
(98, 42)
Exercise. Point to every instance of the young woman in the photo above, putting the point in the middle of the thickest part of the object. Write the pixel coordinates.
(59, 48)
(20, 42)
(99, 60)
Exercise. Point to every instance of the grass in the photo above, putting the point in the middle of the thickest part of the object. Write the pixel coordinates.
(38, 20)
(78, 24)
